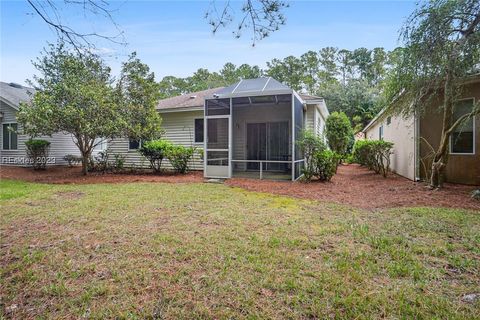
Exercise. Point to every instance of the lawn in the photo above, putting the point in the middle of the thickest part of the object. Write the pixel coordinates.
(193, 250)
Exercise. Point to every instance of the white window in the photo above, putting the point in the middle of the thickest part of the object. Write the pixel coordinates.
(10, 137)
(462, 140)
(101, 144)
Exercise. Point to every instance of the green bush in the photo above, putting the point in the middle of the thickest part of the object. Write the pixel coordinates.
(310, 144)
(119, 162)
(37, 152)
(72, 160)
(319, 162)
(155, 151)
(101, 162)
(374, 154)
(339, 132)
(179, 157)
(326, 164)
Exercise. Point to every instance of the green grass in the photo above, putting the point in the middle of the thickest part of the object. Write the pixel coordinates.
(207, 251)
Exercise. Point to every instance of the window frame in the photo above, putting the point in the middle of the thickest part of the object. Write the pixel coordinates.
(474, 134)
(195, 130)
(9, 136)
(381, 133)
(140, 141)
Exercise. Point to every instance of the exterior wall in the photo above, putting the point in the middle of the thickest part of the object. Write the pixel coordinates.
(179, 129)
(401, 131)
(460, 168)
(61, 144)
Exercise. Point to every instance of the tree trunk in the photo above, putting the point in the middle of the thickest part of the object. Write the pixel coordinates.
(85, 159)
(440, 159)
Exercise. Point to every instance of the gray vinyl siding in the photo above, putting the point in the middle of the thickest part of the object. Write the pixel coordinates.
(179, 128)
(60, 144)
(309, 118)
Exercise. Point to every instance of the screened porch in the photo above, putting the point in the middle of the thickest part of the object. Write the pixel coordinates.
(252, 128)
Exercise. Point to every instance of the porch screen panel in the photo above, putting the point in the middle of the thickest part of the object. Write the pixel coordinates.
(217, 107)
(217, 133)
(298, 121)
(298, 110)
(278, 145)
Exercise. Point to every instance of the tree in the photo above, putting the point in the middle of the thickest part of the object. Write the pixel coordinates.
(262, 16)
(76, 96)
(51, 13)
(137, 94)
(338, 132)
(442, 48)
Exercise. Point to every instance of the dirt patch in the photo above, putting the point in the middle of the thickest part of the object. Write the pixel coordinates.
(73, 175)
(360, 187)
(70, 195)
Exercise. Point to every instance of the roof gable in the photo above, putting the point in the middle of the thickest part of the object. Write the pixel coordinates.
(13, 94)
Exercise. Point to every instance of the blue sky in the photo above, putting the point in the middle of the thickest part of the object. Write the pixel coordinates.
(173, 38)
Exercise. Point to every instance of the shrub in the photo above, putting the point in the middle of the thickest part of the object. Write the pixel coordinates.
(374, 154)
(155, 151)
(119, 162)
(339, 132)
(101, 161)
(310, 145)
(179, 157)
(37, 152)
(325, 164)
(72, 160)
(476, 194)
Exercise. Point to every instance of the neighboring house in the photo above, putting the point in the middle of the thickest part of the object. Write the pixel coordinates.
(252, 128)
(12, 151)
(412, 136)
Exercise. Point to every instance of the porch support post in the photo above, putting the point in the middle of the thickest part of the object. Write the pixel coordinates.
(230, 139)
(293, 137)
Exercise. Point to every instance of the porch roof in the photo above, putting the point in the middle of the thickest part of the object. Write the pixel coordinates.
(253, 87)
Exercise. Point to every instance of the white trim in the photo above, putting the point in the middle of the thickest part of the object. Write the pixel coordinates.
(293, 134)
(474, 134)
(182, 109)
(9, 137)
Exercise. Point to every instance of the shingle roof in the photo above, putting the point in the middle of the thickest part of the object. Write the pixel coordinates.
(190, 100)
(13, 93)
(307, 97)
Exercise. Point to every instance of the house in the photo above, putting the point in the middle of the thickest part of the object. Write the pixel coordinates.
(415, 135)
(12, 151)
(248, 129)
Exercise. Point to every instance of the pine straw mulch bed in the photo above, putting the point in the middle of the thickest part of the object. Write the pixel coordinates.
(352, 185)
(360, 187)
(73, 175)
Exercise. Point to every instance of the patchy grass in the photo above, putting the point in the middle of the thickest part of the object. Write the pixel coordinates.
(209, 251)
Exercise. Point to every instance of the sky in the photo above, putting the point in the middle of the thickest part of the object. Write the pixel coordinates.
(174, 38)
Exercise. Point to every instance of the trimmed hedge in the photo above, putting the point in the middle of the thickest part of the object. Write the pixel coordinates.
(155, 151)
(319, 162)
(179, 157)
(37, 152)
(374, 154)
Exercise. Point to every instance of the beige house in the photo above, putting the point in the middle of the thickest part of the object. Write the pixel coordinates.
(414, 137)
(248, 129)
